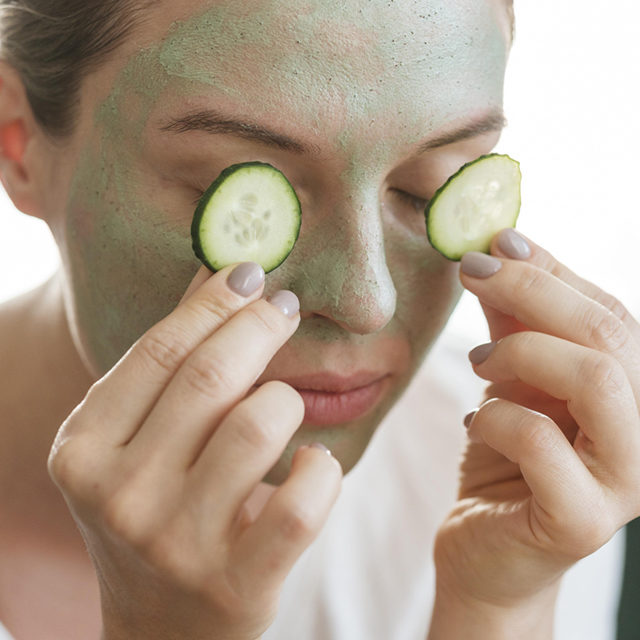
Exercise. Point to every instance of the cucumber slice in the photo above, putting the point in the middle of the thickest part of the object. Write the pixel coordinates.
(250, 213)
(475, 203)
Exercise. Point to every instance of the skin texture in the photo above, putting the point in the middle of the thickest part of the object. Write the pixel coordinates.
(374, 295)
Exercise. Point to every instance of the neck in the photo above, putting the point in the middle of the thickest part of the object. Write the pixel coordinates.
(43, 380)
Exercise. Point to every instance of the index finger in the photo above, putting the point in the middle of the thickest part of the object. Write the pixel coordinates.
(125, 396)
(508, 243)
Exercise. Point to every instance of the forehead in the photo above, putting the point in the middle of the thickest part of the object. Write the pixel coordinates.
(321, 68)
(354, 57)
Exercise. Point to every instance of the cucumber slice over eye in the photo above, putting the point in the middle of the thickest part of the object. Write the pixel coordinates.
(475, 203)
(250, 213)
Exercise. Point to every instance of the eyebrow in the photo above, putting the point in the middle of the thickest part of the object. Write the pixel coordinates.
(211, 121)
(492, 121)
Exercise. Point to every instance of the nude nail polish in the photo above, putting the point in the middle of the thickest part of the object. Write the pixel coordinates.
(480, 353)
(513, 245)
(469, 417)
(286, 301)
(246, 279)
(479, 265)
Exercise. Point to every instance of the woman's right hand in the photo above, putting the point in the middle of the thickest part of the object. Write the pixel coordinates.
(157, 463)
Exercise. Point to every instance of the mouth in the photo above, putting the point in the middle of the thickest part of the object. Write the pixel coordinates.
(330, 399)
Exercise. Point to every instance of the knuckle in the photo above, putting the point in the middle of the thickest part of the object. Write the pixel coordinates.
(265, 320)
(255, 433)
(606, 331)
(209, 375)
(297, 523)
(529, 280)
(215, 310)
(537, 434)
(603, 372)
(520, 345)
(548, 262)
(69, 462)
(162, 349)
(61, 464)
(615, 306)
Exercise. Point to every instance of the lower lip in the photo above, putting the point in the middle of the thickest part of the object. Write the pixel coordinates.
(323, 408)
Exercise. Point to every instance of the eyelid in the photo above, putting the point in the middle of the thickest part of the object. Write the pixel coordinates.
(416, 201)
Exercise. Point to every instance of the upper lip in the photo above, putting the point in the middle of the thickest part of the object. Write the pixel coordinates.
(332, 382)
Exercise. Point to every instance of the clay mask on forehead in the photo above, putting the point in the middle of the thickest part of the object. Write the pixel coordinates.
(358, 58)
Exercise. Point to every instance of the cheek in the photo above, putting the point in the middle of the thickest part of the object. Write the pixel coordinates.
(127, 266)
(427, 286)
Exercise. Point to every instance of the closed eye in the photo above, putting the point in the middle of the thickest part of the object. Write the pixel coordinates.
(419, 204)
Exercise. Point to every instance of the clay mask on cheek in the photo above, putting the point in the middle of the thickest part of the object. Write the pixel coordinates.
(127, 250)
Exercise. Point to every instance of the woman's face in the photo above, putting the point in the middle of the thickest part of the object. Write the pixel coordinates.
(366, 106)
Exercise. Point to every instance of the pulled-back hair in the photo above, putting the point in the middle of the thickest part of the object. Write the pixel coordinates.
(54, 44)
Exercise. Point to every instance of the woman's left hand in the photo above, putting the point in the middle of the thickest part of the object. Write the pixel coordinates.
(552, 469)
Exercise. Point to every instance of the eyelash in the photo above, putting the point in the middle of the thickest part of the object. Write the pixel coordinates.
(199, 195)
(419, 204)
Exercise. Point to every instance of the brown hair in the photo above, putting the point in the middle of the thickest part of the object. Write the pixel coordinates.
(54, 44)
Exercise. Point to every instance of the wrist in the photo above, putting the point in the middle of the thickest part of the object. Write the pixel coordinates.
(455, 616)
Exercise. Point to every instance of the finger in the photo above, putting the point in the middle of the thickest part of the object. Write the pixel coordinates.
(560, 483)
(125, 396)
(500, 324)
(248, 442)
(289, 522)
(530, 397)
(539, 300)
(595, 386)
(509, 243)
(215, 377)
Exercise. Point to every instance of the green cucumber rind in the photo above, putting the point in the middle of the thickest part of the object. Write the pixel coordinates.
(456, 257)
(202, 206)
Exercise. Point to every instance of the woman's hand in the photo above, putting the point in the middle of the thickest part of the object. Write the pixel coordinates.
(159, 459)
(552, 469)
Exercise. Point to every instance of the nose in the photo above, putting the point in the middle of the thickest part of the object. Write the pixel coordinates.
(341, 270)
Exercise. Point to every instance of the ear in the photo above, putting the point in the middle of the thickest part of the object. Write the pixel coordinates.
(20, 138)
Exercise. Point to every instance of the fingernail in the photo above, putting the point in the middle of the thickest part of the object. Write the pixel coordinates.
(246, 278)
(479, 265)
(321, 447)
(481, 352)
(286, 301)
(513, 245)
(469, 417)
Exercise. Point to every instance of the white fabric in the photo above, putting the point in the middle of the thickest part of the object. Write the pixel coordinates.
(369, 575)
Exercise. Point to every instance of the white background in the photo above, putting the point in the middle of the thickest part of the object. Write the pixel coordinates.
(574, 115)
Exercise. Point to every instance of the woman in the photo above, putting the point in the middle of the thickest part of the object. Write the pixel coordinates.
(367, 109)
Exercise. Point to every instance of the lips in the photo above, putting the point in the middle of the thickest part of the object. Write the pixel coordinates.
(333, 383)
(331, 399)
